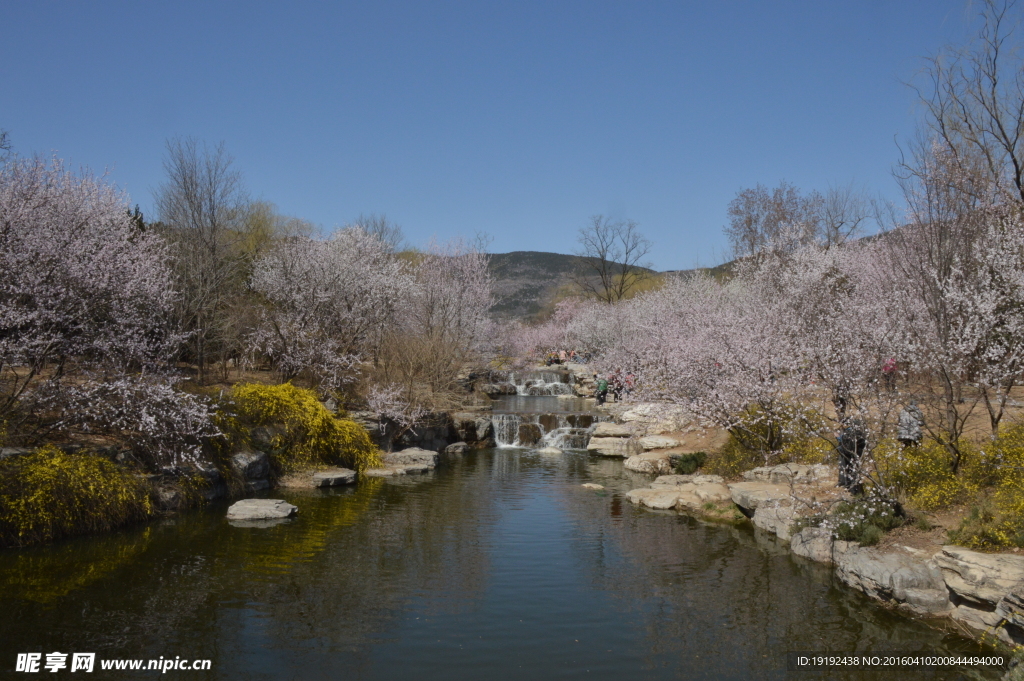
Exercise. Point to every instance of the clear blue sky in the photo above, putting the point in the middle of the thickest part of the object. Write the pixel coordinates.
(519, 119)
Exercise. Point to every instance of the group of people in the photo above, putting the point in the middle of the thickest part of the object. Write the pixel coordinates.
(618, 382)
(565, 356)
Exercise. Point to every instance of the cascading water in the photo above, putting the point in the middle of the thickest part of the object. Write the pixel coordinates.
(564, 431)
(541, 383)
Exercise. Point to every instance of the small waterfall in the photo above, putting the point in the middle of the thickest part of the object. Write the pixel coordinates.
(506, 429)
(565, 431)
(541, 383)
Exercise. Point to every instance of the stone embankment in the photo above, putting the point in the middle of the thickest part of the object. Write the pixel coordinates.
(984, 592)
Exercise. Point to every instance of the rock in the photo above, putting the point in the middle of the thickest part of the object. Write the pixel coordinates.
(1011, 606)
(549, 451)
(612, 446)
(251, 465)
(257, 485)
(650, 442)
(413, 455)
(529, 434)
(591, 485)
(654, 498)
(548, 422)
(649, 463)
(334, 477)
(579, 420)
(6, 452)
(398, 469)
(495, 389)
(456, 449)
(472, 427)
(886, 576)
(749, 495)
(776, 517)
(261, 509)
(797, 473)
(817, 544)
(676, 480)
(982, 579)
(608, 429)
(266, 438)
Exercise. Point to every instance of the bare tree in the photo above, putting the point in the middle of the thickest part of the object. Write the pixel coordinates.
(975, 98)
(387, 231)
(785, 219)
(610, 261)
(204, 205)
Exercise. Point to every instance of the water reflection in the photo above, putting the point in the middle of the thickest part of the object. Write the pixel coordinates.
(499, 566)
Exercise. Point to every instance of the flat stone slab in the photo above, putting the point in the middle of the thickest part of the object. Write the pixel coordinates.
(591, 485)
(413, 455)
(549, 451)
(456, 449)
(792, 473)
(676, 480)
(611, 446)
(750, 495)
(261, 509)
(654, 498)
(651, 462)
(334, 477)
(649, 442)
(400, 469)
(982, 578)
(608, 429)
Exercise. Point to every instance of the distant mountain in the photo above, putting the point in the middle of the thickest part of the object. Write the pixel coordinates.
(525, 282)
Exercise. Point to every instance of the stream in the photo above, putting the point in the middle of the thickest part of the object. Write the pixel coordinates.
(497, 566)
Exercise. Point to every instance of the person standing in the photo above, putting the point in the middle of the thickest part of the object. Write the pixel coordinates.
(602, 389)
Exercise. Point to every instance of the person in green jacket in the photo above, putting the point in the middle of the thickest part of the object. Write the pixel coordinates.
(602, 389)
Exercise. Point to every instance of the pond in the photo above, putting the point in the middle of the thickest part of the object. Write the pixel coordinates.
(497, 566)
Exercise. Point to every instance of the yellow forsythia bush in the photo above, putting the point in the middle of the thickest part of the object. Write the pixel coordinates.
(996, 520)
(309, 433)
(924, 475)
(50, 494)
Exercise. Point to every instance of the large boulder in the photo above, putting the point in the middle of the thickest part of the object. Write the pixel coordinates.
(649, 442)
(609, 429)
(529, 434)
(776, 517)
(612, 446)
(796, 473)
(472, 428)
(261, 509)
(496, 389)
(654, 498)
(251, 465)
(981, 579)
(817, 544)
(658, 464)
(909, 581)
(456, 449)
(334, 477)
(413, 456)
(749, 495)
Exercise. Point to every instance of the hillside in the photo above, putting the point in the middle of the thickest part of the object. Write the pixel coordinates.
(526, 281)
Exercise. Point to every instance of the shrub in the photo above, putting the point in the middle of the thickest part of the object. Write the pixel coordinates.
(687, 464)
(304, 432)
(863, 520)
(923, 474)
(49, 494)
(794, 436)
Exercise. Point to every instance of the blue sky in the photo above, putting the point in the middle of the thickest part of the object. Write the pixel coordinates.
(515, 119)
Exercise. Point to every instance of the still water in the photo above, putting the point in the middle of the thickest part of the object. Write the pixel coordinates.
(497, 566)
